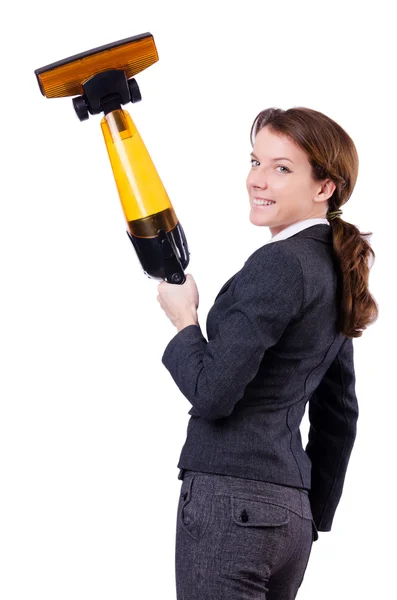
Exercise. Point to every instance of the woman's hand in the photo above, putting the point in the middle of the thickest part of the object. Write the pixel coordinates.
(180, 302)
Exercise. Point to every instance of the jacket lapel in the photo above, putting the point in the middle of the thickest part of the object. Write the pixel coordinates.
(226, 285)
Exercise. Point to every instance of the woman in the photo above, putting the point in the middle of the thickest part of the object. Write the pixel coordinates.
(280, 334)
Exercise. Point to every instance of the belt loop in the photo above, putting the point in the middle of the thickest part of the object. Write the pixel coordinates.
(301, 499)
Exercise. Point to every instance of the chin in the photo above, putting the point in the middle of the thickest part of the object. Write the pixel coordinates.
(261, 222)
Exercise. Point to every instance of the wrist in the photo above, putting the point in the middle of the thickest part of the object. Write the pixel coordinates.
(189, 318)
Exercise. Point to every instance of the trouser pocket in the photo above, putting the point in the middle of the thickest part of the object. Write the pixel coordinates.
(255, 535)
(195, 507)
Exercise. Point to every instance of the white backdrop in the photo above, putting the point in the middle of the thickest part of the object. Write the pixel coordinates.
(91, 422)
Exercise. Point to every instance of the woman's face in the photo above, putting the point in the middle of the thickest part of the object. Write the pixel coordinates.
(287, 182)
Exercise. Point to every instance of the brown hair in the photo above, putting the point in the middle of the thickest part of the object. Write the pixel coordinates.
(333, 155)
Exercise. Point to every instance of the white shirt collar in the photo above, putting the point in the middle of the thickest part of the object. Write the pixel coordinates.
(295, 227)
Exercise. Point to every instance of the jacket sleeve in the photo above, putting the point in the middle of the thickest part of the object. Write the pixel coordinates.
(333, 414)
(267, 294)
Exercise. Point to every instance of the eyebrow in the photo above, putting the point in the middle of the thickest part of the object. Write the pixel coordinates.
(274, 159)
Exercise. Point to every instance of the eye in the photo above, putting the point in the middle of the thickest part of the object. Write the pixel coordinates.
(253, 160)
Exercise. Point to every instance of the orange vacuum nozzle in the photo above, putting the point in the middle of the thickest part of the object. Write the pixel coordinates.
(65, 77)
(101, 77)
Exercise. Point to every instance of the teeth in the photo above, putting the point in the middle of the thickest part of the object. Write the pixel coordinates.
(263, 202)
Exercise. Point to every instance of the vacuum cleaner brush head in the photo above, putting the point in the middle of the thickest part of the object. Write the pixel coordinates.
(65, 77)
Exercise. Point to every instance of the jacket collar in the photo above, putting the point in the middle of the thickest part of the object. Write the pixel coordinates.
(321, 232)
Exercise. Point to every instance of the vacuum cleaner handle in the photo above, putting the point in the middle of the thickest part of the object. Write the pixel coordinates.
(153, 227)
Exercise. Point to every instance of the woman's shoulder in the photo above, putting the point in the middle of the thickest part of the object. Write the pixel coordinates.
(279, 254)
(272, 266)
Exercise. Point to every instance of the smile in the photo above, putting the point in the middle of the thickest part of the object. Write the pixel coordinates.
(262, 202)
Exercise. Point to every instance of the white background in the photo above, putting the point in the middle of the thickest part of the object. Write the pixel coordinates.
(91, 422)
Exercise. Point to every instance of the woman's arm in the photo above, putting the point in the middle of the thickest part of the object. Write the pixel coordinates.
(212, 375)
(333, 414)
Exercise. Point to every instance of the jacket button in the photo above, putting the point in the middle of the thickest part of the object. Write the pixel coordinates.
(244, 516)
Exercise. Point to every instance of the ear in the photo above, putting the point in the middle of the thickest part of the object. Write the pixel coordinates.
(325, 191)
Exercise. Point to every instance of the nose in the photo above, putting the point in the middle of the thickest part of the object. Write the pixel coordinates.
(257, 179)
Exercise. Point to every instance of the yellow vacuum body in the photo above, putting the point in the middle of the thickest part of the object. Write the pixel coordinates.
(100, 76)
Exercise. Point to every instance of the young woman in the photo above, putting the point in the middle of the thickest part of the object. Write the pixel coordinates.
(280, 334)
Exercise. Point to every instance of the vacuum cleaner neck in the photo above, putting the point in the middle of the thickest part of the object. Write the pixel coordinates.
(106, 92)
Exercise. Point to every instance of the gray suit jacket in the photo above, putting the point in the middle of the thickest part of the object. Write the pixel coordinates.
(272, 347)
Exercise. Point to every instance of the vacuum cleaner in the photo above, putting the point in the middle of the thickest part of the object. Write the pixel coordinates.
(102, 81)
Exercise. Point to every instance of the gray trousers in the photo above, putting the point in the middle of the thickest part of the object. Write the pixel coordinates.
(240, 539)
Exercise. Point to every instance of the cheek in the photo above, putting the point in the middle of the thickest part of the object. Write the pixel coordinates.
(284, 185)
